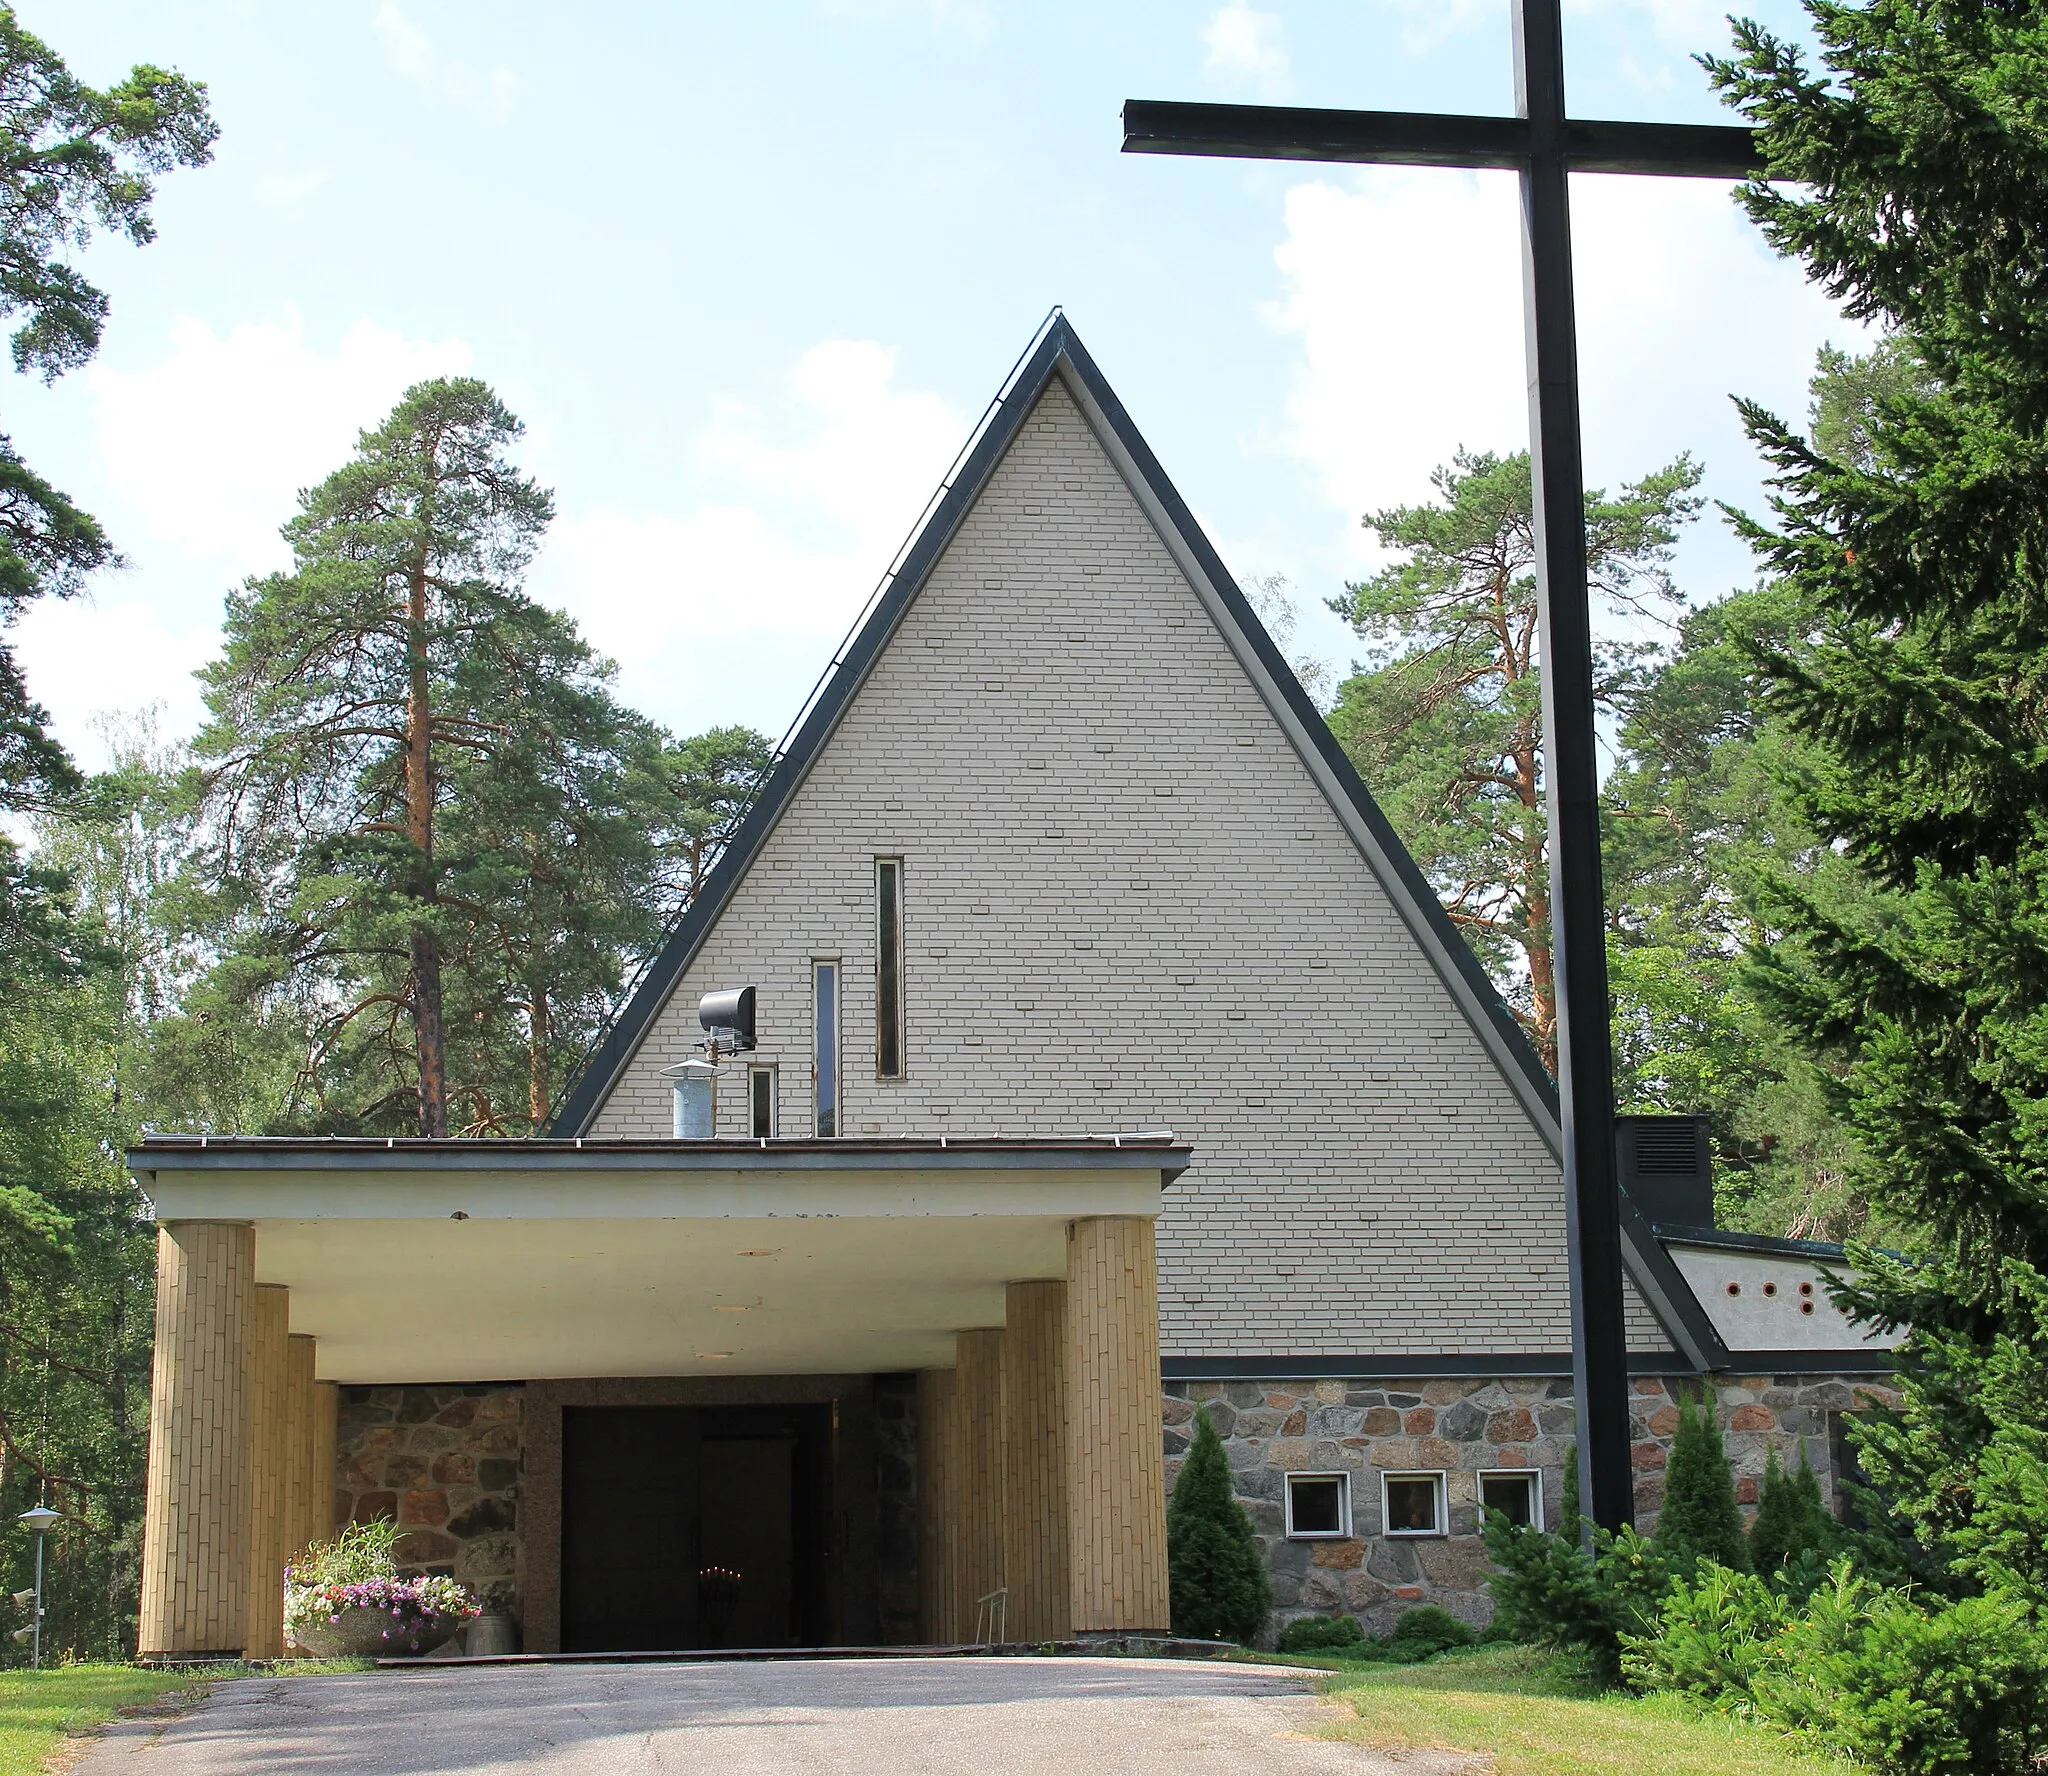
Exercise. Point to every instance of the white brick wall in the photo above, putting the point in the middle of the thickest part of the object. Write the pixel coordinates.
(1110, 850)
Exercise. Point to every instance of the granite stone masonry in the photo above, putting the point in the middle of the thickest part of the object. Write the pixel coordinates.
(445, 1462)
(1462, 1427)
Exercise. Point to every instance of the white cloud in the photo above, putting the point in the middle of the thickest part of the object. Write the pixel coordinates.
(208, 446)
(489, 92)
(1404, 291)
(726, 607)
(1244, 49)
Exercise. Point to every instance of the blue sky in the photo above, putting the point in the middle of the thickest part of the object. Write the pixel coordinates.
(750, 272)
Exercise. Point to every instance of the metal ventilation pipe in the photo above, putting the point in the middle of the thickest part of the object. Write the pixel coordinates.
(693, 1083)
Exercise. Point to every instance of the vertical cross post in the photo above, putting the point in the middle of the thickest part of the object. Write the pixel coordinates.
(1585, 1056)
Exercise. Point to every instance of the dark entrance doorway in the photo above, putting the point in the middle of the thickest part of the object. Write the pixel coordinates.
(695, 1527)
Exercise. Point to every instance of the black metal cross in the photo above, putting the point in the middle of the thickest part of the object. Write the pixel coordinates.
(1544, 146)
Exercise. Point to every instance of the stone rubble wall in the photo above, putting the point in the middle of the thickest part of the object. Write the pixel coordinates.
(445, 1462)
(1461, 1426)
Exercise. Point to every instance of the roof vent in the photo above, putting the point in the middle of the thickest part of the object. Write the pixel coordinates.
(1666, 1165)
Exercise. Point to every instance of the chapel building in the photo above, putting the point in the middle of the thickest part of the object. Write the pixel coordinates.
(1112, 1059)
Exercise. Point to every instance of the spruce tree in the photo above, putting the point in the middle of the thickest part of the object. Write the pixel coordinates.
(1221, 1589)
(1699, 1519)
(1911, 175)
(1774, 1535)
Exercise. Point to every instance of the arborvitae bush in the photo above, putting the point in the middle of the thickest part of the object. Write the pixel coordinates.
(1221, 1589)
(1700, 1519)
(1793, 1528)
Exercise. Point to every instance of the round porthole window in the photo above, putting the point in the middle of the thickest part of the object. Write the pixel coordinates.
(1806, 1307)
(1735, 1288)
(1770, 1288)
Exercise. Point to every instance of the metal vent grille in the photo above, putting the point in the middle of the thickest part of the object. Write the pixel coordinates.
(1667, 1148)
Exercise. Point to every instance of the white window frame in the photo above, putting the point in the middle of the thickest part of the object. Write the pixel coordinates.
(838, 1078)
(1533, 1475)
(1343, 1530)
(1440, 1480)
(766, 1072)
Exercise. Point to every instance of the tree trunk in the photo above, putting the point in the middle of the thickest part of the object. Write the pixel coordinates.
(425, 946)
(538, 1092)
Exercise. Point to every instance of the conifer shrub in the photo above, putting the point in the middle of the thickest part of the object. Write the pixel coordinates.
(1699, 1520)
(1794, 1535)
(1220, 1587)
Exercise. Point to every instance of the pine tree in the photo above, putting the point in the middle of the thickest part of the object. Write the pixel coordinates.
(1445, 723)
(1911, 174)
(1774, 1534)
(1699, 1519)
(1221, 1589)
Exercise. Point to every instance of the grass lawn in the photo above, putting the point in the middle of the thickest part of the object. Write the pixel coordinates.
(1534, 1716)
(38, 1707)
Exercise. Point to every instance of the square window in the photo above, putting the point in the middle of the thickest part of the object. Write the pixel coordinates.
(1517, 1493)
(1318, 1506)
(1412, 1504)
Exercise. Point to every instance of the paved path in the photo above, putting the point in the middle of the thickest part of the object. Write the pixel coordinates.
(895, 1717)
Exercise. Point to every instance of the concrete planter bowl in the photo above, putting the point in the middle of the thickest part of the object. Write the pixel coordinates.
(362, 1631)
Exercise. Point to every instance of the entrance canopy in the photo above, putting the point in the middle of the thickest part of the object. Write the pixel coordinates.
(463, 1260)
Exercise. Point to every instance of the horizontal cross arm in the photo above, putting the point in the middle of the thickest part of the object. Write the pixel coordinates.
(1421, 138)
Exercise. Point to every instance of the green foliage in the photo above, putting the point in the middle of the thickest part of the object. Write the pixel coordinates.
(1699, 1519)
(1220, 1587)
(1551, 1590)
(1911, 169)
(1445, 719)
(354, 1555)
(1319, 1634)
(1426, 1625)
(1871, 1673)
(430, 828)
(1794, 1533)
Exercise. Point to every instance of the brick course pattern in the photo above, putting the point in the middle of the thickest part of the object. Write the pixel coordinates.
(1127, 905)
(446, 1463)
(1462, 1426)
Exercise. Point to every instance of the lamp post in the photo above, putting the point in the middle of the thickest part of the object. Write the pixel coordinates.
(39, 1523)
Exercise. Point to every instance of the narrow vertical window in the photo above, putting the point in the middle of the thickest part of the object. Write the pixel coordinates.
(761, 1101)
(825, 1047)
(889, 967)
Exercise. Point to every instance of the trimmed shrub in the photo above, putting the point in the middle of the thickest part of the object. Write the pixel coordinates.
(1713, 1636)
(1321, 1634)
(1220, 1587)
(1700, 1520)
(1428, 1626)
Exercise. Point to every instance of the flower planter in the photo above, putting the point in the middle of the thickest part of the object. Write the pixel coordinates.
(365, 1631)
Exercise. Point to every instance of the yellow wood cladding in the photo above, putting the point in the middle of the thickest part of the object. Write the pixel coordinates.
(1114, 1454)
(309, 1493)
(978, 1566)
(195, 1557)
(269, 1469)
(938, 1504)
(1035, 1504)
(326, 1416)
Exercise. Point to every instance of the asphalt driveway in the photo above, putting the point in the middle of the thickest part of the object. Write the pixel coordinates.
(945, 1717)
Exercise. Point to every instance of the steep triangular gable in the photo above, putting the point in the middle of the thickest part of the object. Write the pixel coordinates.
(1060, 356)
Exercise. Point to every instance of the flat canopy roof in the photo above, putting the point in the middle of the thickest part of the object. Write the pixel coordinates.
(475, 1260)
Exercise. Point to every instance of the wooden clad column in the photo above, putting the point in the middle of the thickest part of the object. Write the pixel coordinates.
(307, 1504)
(1035, 1552)
(1115, 1460)
(938, 1504)
(320, 1522)
(978, 1560)
(195, 1553)
(269, 1470)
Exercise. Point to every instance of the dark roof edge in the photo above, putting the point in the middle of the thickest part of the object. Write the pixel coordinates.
(1720, 1239)
(283, 1153)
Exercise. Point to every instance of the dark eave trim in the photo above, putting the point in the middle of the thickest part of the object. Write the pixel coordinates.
(258, 1154)
(1547, 1364)
(1719, 1239)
